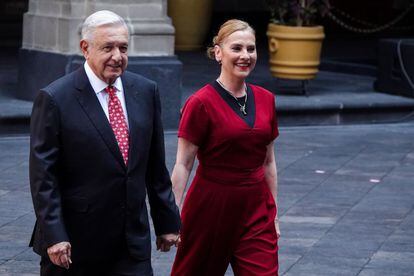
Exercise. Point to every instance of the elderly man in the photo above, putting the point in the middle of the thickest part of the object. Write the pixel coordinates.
(96, 151)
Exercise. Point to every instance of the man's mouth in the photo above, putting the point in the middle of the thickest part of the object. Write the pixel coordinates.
(114, 66)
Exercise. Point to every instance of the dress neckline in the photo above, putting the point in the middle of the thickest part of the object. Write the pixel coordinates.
(229, 101)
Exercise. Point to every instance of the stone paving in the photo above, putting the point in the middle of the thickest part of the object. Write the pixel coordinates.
(346, 202)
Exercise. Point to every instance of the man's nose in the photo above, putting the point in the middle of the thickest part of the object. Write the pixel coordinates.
(116, 54)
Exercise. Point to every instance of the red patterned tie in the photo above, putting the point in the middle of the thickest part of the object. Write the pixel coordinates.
(118, 122)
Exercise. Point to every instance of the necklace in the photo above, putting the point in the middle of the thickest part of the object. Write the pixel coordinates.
(241, 106)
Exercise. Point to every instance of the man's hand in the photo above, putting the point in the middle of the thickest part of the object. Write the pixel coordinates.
(164, 242)
(60, 254)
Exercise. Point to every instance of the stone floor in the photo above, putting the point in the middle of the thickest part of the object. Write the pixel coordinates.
(346, 202)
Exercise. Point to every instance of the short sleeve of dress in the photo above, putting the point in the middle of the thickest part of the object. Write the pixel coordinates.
(194, 121)
(275, 128)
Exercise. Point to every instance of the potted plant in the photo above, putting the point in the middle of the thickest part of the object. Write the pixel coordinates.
(191, 20)
(295, 39)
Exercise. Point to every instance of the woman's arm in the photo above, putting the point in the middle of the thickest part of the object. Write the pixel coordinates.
(271, 177)
(186, 153)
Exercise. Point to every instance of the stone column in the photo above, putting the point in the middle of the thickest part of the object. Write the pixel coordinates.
(50, 48)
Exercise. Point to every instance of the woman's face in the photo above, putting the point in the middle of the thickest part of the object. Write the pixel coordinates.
(237, 54)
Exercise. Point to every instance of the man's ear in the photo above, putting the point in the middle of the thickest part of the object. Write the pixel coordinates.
(84, 46)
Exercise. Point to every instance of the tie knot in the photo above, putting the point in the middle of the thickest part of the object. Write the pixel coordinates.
(110, 90)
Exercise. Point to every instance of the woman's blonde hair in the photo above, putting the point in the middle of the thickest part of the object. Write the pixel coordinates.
(228, 27)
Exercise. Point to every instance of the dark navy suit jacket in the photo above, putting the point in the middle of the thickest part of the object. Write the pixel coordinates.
(81, 188)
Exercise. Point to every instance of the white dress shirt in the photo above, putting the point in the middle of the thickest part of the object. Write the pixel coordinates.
(99, 86)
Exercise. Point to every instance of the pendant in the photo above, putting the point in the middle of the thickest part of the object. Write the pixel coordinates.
(243, 110)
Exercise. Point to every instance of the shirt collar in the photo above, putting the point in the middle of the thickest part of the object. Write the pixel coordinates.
(97, 84)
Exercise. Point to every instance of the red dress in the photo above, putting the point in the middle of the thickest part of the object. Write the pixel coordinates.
(228, 214)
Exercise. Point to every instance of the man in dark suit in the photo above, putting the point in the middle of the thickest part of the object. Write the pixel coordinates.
(96, 151)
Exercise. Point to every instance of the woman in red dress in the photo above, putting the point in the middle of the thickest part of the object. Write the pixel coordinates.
(229, 214)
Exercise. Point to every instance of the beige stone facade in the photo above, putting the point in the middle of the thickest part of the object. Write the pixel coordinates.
(54, 25)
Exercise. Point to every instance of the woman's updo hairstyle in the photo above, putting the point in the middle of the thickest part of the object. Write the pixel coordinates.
(229, 27)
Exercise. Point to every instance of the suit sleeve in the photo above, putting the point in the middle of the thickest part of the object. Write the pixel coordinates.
(164, 211)
(44, 155)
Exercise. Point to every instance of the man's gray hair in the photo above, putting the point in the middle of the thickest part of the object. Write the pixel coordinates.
(100, 18)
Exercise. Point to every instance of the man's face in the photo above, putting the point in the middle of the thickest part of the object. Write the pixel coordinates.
(107, 52)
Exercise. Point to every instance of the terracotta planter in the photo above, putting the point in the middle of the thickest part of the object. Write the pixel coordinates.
(294, 51)
(191, 19)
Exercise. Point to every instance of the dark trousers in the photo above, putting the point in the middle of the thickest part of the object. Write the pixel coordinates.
(126, 266)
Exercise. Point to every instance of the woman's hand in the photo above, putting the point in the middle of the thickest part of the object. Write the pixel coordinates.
(164, 242)
(277, 227)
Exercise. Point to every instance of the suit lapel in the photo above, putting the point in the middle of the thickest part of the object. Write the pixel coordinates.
(134, 106)
(89, 102)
